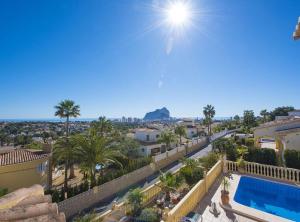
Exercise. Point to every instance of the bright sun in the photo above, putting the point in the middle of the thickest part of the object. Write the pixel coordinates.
(178, 13)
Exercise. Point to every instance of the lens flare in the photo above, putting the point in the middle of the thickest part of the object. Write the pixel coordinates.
(178, 13)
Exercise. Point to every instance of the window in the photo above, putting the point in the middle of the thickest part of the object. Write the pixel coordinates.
(147, 137)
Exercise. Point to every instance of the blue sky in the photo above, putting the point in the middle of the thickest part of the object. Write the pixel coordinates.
(106, 55)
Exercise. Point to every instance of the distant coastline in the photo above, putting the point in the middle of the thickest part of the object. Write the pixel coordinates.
(56, 120)
(53, 120)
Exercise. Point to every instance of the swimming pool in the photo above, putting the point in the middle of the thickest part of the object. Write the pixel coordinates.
(271, 197)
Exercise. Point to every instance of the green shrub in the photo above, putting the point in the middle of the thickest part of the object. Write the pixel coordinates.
(226, 145)
(209, 161)
(191, 176)
(262, 156)
(231, 153)
(243, 141)
(135, 199)
(149, 215)
(131, 165)
(75, 190)
(292, 158)
(86, 218)
(3, 191)
(70, 192)
(249, 142)
(55, 196)
(86, 186)
(62, 195)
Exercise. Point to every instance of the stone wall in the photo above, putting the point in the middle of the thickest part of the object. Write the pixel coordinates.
(89, 198)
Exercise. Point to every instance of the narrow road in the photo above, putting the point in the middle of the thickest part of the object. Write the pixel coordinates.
(121, 196)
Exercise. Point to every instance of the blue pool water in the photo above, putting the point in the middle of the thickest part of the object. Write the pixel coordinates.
(271, 197)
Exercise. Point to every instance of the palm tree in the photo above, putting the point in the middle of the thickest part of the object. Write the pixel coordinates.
(167, 138)
(65, 151)
(95, 150)
(264, 113)
(209, 113)
(135, 200)
(189, 162)
(169, 182)
(236, 120)
(181, 132)
(102, 126)
(67, 109)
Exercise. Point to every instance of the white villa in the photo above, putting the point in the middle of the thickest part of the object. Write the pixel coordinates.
(148, 138)
(147, 134)
(191, 129)
(285, 131)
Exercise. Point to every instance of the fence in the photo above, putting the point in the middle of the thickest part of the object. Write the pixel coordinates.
(190, 201)
(279, 173)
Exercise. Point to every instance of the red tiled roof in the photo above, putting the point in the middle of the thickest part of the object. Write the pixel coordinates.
(19, 156)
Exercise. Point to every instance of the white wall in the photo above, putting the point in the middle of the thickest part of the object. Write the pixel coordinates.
(191, 132)
(292, 141)
(146, 150)
(144, 135)
(294, 113)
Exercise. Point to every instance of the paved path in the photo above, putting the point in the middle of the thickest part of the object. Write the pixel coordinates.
(121, 196)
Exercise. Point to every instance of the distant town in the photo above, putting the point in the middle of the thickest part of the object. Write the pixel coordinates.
(68, 60)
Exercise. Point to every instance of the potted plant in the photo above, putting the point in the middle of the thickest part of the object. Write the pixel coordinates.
(225, 191)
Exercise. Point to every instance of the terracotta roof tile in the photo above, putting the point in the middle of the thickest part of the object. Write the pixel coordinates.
(19, 156)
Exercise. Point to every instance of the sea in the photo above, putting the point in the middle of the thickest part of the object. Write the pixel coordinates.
(53, 120)
(57, 120)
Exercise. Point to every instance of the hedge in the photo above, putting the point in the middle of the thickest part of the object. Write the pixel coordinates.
(59, 195)
(262, 156)
(292, 158)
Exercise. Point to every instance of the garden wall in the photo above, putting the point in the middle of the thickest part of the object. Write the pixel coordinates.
(190, 201)
(75, 204)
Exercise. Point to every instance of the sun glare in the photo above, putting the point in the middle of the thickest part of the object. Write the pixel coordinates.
(178, 13)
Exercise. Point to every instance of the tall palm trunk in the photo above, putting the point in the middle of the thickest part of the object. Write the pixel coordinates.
(68, 119)
(72, 171)
(66, 177)
(93, 180)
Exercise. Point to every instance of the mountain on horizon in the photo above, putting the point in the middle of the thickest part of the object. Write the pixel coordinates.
(158, 114)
